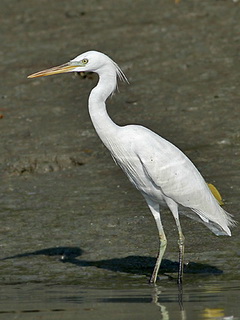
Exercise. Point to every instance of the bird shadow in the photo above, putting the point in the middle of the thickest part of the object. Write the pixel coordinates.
(138, 265)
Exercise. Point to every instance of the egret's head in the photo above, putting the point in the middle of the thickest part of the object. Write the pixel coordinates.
(93, 61)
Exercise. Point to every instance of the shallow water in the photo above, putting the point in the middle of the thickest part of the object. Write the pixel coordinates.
(76, 239)
(210, 300)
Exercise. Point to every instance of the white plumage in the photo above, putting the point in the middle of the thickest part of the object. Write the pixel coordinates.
(158, 169)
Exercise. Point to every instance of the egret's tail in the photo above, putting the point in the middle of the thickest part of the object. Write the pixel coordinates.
(219, 222)
(212, 216)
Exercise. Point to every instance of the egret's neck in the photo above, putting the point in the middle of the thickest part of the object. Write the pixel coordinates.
(103, 124)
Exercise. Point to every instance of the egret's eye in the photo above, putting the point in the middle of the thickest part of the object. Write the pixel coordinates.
(84, 61)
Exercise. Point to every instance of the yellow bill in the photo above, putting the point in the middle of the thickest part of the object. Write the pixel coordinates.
(67, 67)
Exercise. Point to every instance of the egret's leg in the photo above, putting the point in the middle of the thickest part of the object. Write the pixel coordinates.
(174, 209)
(154, 207)
(181, 250)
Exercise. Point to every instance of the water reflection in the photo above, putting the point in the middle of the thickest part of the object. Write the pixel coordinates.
(209, 313)
(33, 301)
(196, 299)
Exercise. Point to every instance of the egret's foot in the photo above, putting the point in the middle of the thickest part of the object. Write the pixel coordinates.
(153, 280)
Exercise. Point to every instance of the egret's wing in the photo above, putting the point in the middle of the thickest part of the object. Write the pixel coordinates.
(169, 169)
(177, 178)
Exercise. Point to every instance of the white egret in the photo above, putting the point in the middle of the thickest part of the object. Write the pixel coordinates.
(158, 169)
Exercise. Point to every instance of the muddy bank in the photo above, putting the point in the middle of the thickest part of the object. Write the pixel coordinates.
(59, 186)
